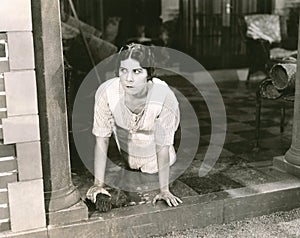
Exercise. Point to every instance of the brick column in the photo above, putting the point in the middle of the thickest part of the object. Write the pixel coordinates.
(62, 199)
(293, 154)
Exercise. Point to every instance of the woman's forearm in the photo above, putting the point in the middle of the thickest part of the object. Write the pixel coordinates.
(163, 162)
(101, 148)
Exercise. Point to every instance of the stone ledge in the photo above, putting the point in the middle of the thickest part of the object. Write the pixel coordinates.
(75, 213)
(262, 199)
(38, 233)
(281, 164)
(196, 211)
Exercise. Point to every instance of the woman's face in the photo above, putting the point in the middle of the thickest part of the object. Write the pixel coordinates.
(132, 76)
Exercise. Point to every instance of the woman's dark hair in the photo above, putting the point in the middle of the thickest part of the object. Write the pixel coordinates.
(141, 53)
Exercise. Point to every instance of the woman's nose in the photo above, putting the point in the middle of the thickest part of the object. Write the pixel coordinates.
(129, 77)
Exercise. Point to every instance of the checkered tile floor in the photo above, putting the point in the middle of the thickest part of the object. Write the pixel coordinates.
(240, 163)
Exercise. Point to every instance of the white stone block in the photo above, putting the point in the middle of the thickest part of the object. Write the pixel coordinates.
(21, 93)
(29, 161)
(26, 205)
(21, 129)
(15, 15)
(20, 50)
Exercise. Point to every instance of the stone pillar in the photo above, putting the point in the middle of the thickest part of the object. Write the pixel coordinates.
(293, 154)
(62, 199)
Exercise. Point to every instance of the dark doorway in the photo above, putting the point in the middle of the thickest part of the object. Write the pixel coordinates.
(134, 14)
(210, 30)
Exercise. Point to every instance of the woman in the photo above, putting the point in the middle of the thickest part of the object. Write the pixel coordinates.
(143, 114)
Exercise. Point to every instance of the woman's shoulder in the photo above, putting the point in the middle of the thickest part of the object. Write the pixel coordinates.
(163, 91)
(159, 81)
(106, 85)
(162, 85)
(109, 82)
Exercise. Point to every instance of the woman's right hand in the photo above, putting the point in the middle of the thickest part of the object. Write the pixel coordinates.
(94, 190)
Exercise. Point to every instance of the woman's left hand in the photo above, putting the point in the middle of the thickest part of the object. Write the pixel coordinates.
(168, 197)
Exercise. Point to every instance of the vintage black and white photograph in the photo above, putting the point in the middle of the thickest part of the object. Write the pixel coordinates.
(149, 118)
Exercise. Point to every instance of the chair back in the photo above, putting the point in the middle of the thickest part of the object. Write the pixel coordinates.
(242, 27)
(263, 26)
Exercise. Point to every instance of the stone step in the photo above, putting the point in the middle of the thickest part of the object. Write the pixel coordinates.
(282, 165)
(196, 211)
(73, 213)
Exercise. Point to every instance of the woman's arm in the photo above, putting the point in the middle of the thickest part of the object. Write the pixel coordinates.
(166, 125)
(102, 129)
(101, 148)
(163, 161)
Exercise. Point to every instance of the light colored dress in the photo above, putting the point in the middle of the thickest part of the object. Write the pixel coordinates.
(138, 134)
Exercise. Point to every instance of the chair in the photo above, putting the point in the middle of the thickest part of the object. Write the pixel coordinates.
(269, 90)
(262, 35)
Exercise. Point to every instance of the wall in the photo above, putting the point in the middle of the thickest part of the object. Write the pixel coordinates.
(21, 183)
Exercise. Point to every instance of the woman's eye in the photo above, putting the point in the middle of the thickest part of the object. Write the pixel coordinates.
(137, 71)
(123, 70)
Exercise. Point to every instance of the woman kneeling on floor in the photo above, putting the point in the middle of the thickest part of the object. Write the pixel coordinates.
(143, 114)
